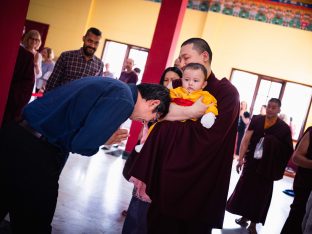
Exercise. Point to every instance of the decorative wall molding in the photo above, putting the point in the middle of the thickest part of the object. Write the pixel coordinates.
(280, 12)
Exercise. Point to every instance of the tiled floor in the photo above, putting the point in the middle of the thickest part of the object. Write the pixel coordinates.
(93, 194)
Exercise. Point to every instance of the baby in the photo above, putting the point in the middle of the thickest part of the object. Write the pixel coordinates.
(194, 79)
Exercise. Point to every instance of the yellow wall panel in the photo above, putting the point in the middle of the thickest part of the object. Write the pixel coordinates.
(267, 49)
(193, 26)
(128, 21)
(67, 20)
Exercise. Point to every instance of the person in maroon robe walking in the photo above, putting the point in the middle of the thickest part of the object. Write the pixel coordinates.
(186, 167)
(252, 195)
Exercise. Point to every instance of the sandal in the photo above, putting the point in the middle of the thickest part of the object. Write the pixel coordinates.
(241, 221)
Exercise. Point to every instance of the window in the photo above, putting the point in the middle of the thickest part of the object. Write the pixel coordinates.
(115, 53)
(258, 89)
(295, 105)
(267, 90)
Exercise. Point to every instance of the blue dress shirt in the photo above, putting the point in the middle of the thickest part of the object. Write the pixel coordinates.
(80, 116)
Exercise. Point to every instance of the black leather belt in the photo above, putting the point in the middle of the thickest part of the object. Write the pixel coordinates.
(29, 129)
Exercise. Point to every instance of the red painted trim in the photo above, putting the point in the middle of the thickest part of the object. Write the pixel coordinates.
(164, 41)
(12, 18)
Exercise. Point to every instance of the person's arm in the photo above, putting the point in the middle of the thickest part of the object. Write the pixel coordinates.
(57, 74)
(243, 149)
(245, 119)
(38, 64)
(177, 112)
(300, 155)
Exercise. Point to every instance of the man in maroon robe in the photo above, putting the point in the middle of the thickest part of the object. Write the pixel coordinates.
(21, 85)
(252, 195)
(186, 167)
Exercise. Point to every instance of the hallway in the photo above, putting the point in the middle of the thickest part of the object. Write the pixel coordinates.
(93, 194)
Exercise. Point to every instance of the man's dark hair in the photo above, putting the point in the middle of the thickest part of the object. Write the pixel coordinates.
(156, 92)
(197, 66)
(276, 100)
(94, 31)
(173, 69)
(199, 45)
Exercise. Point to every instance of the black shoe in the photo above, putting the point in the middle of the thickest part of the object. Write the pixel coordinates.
(241, 221)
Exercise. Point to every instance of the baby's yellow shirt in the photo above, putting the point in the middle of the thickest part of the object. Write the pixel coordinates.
(181, 92)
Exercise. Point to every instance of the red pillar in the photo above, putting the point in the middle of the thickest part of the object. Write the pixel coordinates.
(12, 19)
(162, 49)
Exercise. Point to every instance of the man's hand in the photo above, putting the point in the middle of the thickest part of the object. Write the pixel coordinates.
(240, 163)
(177, 112)
(198, 109)
(118, 136)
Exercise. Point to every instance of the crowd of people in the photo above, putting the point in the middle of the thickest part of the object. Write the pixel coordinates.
(193, 125)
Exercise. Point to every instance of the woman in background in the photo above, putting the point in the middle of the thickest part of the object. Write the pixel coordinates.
(243, 121)
(47, 68)
(170, 74)
(31, 42)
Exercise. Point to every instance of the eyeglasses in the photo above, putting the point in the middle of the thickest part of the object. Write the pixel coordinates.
(34, 39)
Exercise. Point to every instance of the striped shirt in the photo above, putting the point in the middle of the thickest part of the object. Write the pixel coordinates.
(72, 65)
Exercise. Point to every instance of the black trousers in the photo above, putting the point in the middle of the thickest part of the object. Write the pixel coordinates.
(164, 224)
(136, 219)
(29, 174)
